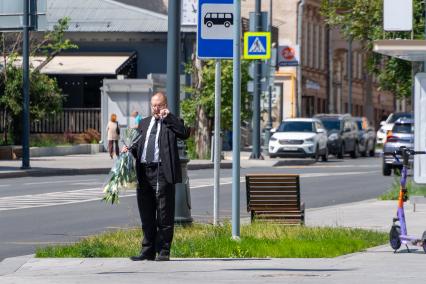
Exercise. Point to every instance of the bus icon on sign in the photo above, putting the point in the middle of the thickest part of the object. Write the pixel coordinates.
(225, 19)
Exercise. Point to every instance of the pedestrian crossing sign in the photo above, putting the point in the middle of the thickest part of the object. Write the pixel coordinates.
(257, 45)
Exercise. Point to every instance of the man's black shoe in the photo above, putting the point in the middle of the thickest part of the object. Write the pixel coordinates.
(142, 257)
(163, 256)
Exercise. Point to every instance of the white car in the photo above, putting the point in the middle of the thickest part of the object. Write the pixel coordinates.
(387, 125)
(299, 138)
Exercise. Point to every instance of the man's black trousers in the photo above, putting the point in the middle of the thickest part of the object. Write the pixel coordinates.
(156, 209)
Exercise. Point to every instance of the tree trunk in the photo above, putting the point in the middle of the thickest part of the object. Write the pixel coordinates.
(5, 127)
(203, 123)
(17, 130)
(202, 133)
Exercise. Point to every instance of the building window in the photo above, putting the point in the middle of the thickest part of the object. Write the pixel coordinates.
(360, 65)
(317, 46)
(322, 45)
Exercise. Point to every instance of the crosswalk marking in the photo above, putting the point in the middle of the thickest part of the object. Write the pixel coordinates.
(96, 194)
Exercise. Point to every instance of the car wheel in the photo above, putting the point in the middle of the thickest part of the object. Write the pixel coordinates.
(324, 157)
(355, 152)
(364, 153)
(341, 152)
(387, 169)
(227, 24)
(209, 24)
(372, 152)
(272, 156)
(316, 155)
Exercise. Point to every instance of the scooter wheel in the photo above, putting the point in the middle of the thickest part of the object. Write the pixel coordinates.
(395, 241)
(424, 241)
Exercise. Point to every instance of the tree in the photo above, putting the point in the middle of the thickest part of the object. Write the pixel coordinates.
(45, 95)
(198, 110)
(363, 20)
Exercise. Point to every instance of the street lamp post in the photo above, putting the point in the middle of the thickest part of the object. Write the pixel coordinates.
(350, 75)
(269, 124)
(26, 89)
(182, 197)
(257, 89)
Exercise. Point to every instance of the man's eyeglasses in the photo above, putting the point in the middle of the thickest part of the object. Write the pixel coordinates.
(159, 106)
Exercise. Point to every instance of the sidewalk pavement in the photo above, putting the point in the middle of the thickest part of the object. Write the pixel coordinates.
(375, 265)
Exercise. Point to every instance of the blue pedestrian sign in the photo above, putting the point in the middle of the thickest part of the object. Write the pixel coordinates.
(257, 45)
(215, 29)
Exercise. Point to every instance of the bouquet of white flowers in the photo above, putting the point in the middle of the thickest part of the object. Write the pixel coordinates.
(123, 174)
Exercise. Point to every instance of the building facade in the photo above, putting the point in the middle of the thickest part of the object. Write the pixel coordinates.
(324, 62)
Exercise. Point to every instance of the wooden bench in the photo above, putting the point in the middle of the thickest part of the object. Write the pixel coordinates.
(275, 198)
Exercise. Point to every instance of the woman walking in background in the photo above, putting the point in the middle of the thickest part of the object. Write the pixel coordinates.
(113, 131)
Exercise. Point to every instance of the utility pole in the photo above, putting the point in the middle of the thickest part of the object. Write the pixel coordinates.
(182, 196)
(331, 100)
(26, 89)
(269, 124)
(299, 67)
(173, 56)
(236, 124)
(217, 140)
(350, 75)
(255, 154)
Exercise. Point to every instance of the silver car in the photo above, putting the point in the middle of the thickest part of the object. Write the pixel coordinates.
(402, 134)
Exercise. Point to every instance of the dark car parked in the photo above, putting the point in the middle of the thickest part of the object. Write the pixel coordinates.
(366, 137)
(402, 134)
(342, 134)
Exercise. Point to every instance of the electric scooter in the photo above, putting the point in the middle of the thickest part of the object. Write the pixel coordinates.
(398, 234)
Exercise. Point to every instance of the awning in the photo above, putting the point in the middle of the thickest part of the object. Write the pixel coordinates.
(88, 64)
(411, 50)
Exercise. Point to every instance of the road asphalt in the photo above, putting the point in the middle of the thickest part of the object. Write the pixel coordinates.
(375, 265)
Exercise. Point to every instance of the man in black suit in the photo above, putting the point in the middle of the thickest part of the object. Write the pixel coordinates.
(158, 170)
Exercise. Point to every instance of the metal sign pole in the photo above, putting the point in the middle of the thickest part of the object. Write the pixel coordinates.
(255, 154)
(217, 146)
(236, 117)
(26, 90)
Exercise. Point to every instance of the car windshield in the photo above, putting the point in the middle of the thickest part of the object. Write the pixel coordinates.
(296, 126)
(395, 116)
(403, 128)
(331, 124)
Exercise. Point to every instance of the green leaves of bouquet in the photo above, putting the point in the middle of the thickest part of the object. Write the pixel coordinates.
(122, 175)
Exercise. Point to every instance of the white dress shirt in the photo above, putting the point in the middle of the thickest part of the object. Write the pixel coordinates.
(157, 149)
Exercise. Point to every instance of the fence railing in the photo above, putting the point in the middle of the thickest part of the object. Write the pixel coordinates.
(73, 120)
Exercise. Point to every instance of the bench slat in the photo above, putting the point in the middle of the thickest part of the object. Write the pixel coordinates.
(274, 198)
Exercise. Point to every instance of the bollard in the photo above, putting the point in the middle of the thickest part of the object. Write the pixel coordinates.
(183, 194)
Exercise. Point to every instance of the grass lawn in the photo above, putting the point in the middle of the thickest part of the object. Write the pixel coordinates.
(259, 240)
(412, 188)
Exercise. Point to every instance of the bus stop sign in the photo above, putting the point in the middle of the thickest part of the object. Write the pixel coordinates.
(215, 29)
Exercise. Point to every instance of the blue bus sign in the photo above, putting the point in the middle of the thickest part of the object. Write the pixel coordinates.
(215, 29)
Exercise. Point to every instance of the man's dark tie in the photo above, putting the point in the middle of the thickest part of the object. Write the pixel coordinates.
(150, 148)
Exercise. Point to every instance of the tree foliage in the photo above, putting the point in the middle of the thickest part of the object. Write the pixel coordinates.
(363, 21)
(205, 96)
(45, 95)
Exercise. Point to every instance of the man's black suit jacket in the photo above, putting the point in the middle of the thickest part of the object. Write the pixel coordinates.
(171, 129)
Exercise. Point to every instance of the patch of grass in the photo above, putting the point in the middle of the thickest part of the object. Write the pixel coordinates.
(412, 189)
(259, 240)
